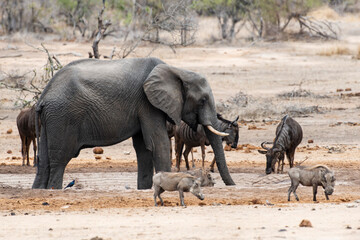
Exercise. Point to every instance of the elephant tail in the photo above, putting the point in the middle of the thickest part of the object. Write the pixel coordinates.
(37, 132)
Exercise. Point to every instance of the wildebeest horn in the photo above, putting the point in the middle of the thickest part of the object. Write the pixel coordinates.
(213, 130)
(235, 121)
(263, 145)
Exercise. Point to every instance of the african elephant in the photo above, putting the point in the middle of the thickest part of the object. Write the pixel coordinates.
(99, 103)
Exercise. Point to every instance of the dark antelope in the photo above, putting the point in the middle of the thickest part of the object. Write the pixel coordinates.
(288, 136)
(26, 126)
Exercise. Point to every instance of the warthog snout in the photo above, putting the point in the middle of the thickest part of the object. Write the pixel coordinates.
(201, 197)
(329, 190)
(196, 190)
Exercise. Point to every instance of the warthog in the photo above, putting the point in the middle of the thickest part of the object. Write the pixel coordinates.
(288, 136)
(205, 177)
(315, 176)
(182, 182)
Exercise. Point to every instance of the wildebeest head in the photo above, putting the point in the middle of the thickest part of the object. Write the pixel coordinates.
(272, 156)
(328, 182)
(233, 131)
(196, 190)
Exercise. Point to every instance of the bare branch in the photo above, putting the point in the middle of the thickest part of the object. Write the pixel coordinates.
(11, 56)
(102, 27)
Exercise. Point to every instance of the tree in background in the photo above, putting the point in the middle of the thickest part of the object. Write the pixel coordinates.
(276, 15)
(228, 13)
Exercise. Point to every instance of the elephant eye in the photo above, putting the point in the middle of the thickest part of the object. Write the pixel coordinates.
(202, 101)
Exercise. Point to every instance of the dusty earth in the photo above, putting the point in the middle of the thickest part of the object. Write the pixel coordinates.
(104, 203)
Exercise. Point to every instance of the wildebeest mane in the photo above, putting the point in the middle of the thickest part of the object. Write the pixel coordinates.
(283, 137)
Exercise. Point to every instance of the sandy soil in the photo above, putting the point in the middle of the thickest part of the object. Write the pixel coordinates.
(105, 202)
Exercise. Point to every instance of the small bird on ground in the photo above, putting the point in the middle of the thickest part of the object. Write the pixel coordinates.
(70, 184)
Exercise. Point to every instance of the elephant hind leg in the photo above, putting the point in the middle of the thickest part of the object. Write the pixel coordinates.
(43, 167)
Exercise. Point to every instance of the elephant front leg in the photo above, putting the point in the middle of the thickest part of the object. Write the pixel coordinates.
(144, 161)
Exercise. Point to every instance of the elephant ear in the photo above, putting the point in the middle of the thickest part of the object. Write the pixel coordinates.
(164, 89)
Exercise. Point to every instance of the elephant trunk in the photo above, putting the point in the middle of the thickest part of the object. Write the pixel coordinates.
(216, 144)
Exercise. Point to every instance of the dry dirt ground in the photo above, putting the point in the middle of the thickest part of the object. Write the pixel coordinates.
(105, 202)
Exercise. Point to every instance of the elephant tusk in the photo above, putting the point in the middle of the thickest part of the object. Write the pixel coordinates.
(213, 130)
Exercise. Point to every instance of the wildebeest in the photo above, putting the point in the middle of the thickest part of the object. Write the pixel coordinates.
(315, 176)
(26, 126)
(205, 177)
(288, 136)
(184, 135)
(182, 182)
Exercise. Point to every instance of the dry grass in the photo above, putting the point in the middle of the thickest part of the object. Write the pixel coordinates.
(337, 50)
(358, 53)
(324, 12)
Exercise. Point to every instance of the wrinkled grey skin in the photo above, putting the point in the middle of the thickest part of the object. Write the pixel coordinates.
(315, 176)
(99, 103)
(182, 182)
(288, 136)
(205, 177)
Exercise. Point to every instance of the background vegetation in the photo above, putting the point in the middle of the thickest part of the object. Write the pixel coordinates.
(170, 22)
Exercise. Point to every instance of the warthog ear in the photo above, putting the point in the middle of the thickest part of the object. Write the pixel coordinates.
(262, 151)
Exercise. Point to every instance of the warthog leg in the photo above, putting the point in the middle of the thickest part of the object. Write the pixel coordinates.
(181, 194)
(292, 188)
(157, 192)
(314, 192)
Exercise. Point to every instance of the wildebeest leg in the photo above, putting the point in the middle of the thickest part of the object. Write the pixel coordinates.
(290, 157)
(23, 148)
(192, 158)
(314, 192)
(203, 154)
(181, 194)
(178, 151)
(186, 155)
(34, 148)
(281, 164)
(212, 165)
(28, 142)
